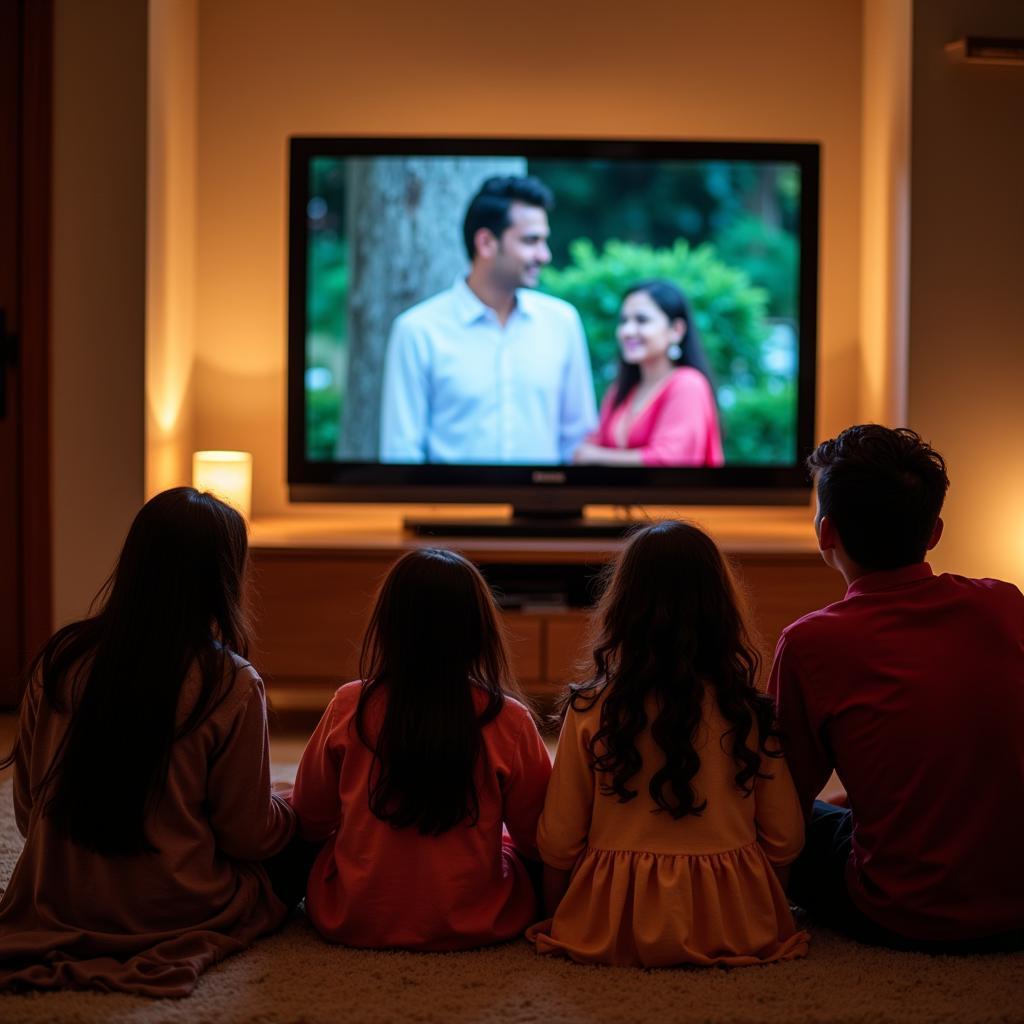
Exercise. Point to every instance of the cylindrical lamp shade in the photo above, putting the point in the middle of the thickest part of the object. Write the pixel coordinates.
(228, 475)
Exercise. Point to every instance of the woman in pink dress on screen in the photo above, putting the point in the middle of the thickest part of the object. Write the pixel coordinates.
(660, 410)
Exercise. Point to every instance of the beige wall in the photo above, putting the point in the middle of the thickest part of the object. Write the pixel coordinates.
(171, 241)
(967, 282)
(885, 211)
(233, 78)
(98, 289)
(790, 69)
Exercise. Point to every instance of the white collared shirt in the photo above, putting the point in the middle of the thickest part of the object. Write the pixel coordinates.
(461, 388)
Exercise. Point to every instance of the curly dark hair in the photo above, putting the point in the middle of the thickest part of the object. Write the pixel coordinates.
(883, 490)
(669, 628)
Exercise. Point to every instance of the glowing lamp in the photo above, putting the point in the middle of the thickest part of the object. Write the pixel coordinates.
(227, 475)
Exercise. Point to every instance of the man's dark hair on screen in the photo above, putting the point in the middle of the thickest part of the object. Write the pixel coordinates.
(489, 207)
(882, 490)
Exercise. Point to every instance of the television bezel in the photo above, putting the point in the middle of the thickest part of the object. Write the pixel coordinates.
(548, 489)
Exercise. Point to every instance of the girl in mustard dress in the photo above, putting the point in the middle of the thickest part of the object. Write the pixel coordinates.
(670, 812)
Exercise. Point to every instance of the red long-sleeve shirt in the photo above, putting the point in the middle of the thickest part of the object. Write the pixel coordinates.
(912, 688)
(378, 886)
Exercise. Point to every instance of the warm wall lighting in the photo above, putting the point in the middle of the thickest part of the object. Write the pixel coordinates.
(226, 474)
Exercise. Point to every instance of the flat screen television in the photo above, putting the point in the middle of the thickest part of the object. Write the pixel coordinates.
(555, 368)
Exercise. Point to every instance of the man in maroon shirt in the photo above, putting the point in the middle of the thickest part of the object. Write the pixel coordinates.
(912, 689)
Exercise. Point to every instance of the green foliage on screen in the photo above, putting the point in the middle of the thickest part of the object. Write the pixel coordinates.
(326, 340)
(759, 428)
(769, 256)
(323, 417)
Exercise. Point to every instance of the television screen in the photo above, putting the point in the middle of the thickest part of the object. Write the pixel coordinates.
(595, 314)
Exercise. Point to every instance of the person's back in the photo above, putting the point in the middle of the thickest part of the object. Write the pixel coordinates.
(918, 686)
(703, 888)
(377, 886)
(414, 773)
(912, 688)
(141, 866)
(211, 821)
(670, 807)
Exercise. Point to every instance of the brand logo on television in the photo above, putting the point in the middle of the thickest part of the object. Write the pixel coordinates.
(547, 477)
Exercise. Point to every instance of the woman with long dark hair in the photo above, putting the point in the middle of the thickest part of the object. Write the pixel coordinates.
(417, 770)
(142, 773)
(660, 410)
(670, 807)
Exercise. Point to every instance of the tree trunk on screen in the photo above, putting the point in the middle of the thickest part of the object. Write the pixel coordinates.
(766, 197)
(404, 219)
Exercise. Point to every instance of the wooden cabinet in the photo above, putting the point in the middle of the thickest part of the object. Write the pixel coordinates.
(312, 601)
(310, 609)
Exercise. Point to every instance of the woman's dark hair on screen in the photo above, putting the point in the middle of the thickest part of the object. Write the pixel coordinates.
(172, 603)
(490, 206)
(433, 641)
(674, 304)
(882, 489)
(669, 629)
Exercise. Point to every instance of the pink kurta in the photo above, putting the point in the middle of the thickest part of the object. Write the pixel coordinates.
(378, 886)
(677, 426)
(149, 924)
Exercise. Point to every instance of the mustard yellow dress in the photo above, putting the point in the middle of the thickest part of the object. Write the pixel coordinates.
(650, 891)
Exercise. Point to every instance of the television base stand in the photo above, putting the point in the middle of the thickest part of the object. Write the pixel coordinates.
(525, 522)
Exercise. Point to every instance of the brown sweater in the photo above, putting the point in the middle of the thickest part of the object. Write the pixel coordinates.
(149, 924)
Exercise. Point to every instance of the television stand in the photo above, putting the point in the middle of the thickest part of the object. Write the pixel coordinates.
(315, 579)
(525, 522)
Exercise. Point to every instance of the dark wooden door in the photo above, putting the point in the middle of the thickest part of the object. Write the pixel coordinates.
(25, 70)
(11, 572)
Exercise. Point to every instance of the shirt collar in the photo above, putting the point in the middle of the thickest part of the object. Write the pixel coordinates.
(470, 308)
(889, 578)
(525, 304)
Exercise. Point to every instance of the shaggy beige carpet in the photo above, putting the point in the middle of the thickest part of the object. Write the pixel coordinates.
(295, 977)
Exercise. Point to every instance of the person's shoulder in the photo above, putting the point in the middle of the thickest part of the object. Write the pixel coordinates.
(583, 708)
(243, 681)
(544, 300)
(688, 376)
(688, 380)
(982, 584)
(346, 698)
(543, 304)
(241, 688)
(515, 709)
(983, 589)
(513, 716)
(822, 623)
(426, 312)
(241, 666)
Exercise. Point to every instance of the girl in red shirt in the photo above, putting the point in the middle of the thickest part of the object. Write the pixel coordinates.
(426, 777)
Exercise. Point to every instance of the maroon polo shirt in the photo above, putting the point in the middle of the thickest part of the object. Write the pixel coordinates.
(912, 689)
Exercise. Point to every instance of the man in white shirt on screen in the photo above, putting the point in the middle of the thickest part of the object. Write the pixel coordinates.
(490, 371)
